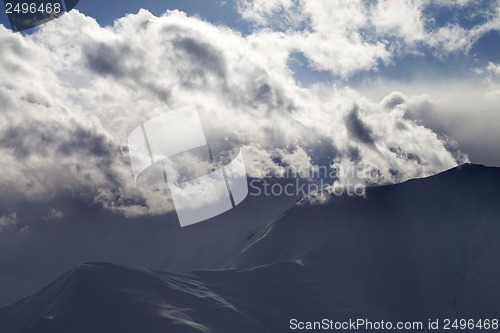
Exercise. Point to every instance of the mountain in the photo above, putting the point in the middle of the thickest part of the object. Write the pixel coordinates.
(424, 249)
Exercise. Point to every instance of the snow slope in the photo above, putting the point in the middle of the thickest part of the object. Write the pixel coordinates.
(427, 248)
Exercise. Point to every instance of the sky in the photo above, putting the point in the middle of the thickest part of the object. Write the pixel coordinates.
(394, 89)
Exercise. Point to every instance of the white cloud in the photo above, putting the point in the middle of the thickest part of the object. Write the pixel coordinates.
(493, 68)
(345, 37)
(491, 79)
(328, 33)
(401, 19)
(280, 13)
(452, 38)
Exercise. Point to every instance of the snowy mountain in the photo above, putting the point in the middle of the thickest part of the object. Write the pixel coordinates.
(420, 250)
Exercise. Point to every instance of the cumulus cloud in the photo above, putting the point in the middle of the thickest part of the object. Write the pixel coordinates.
(72, 91)
(401, 19)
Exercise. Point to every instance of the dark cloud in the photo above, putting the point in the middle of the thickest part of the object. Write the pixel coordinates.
(118, 60)
(400, 153)
(198, 64)
(322, 151)
(354, 155)
(86, 141)
(393, 100)
(357, 128)
(5, 100)
(54, 138)
(202, 55)
(264, 93)
(106, 59)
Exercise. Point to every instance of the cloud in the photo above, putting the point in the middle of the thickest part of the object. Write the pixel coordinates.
(54, 214)
(357, 128)
(401, 19)
(278, 13)
(346, 37)
(460, 111)
(493, 68)
(490, 75)
(469, 117)
(106, 59)
(7, 221)
(72, 91)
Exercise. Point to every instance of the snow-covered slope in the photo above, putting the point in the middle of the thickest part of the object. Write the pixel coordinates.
(103, 297)
(427, 248)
